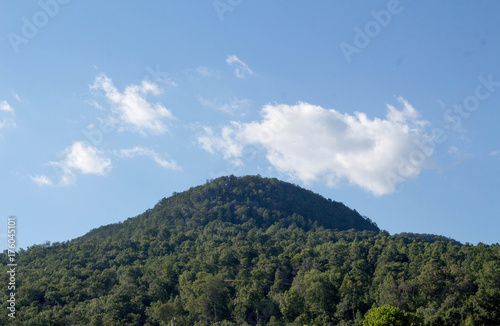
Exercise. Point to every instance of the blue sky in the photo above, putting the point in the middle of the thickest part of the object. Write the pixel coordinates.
(390, 107)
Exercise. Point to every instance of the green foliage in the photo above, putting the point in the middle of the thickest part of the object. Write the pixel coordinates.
(206, 297)
(253, 251)
(390, 316)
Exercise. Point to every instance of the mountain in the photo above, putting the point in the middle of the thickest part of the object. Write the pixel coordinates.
(253, 199)
(252, 251)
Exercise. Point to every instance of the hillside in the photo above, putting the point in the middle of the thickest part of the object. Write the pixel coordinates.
(253, 199)
(253, 251)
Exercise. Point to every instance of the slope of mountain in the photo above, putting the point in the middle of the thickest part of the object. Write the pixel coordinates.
(252, 251)
(235, 200)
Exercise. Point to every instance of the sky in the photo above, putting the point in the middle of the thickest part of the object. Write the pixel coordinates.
(391, 107)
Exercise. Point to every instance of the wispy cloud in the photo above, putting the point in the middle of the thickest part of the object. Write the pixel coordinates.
(495, 153)
(311, 143)
(201, 72)
(15, 95)
(159, 76)
(131, 110)
(7, 119)
(241, 68)
(232, 106)
(79, 158)
(204, 71)
(458, 155)
(143, 151)
(42, 180)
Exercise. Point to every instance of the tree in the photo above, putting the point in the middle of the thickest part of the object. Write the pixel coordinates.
(390, 316)
(207, 297)
(164, 313)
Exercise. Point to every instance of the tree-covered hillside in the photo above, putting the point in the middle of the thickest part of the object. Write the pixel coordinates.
(257, 200)
(254, 251)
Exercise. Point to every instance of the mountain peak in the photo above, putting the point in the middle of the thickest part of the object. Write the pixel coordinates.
(278, 198)
(239, 200)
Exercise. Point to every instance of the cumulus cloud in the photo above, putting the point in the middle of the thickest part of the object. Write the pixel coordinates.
(311, 143)
(241, 69)
(231, 107)
(79, 158)
(86, 159)
(143, 151)
(131, 110)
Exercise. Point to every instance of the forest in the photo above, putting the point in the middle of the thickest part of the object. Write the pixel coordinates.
(254, 251)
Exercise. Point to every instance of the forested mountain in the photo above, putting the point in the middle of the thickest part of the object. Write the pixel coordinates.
(259, 201)
(254, 251)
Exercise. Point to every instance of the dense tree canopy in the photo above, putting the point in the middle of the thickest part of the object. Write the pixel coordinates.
(254, 251)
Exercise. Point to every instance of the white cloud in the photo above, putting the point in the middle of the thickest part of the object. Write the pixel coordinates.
(4, 106)
(159, 76)
(95, 104)
(231, 107)
(311, 143)
(495, 153)
(131, 110)
(79, 158)
(204, 71)
(142, 151)
(42, 180)
(241, 68)
(6, 121)
(229, 142)
(16, 96)
(86, 159)
(201, 72)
